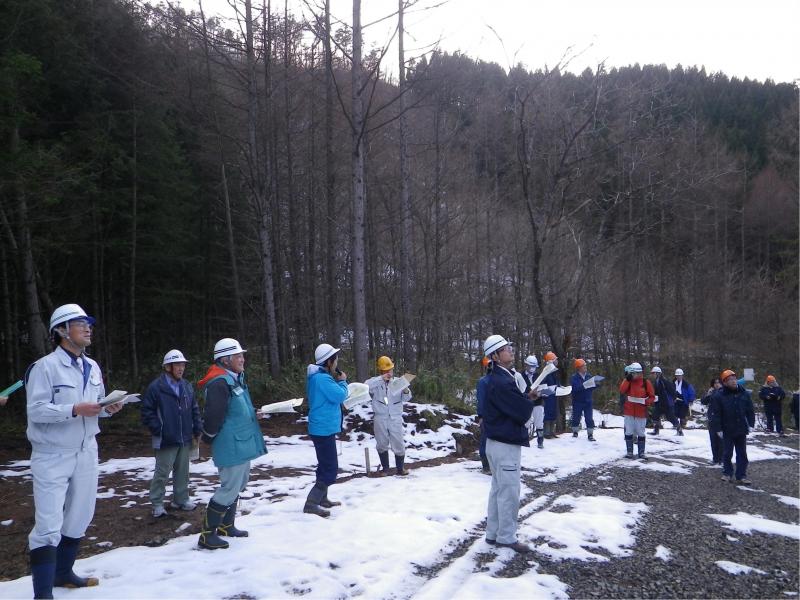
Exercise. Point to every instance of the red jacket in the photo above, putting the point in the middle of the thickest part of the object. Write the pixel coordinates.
(637, 388)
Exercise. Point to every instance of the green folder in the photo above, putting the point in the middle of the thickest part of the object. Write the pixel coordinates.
(11, 389)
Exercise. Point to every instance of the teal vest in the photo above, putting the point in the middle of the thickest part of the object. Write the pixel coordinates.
(239, 439)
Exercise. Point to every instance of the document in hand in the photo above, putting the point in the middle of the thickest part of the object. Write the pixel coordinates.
(563, 390)
(119, 396)
(401, 383)
(285, 406)
(547, 390)
(356, 394)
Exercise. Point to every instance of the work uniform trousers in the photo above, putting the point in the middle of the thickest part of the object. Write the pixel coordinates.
(389, 434)
(635, 426)
(729, 443)
(667, 410)
(175, 460)
(327, 458)
(774, 416)
(501, 521)
(582, 408)
(64, 494)
(232, 482)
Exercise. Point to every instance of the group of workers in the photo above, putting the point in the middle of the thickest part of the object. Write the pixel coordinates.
(66, 397)
(508, 402)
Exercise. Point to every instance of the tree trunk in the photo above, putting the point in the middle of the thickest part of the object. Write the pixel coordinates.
(134, 238)
(409, 356)
(359, 203)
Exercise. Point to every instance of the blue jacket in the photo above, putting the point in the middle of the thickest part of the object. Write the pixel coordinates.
(172, 420)
(325, 398)
(506, 410)
(732, 411)
(772, 396)
(480, 393)
(581, 394)
(550, 402)
(687, 395)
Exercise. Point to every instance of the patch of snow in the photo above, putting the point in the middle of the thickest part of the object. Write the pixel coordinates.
(737, 569)
(747, 523)
(663, 553)
(593, 522)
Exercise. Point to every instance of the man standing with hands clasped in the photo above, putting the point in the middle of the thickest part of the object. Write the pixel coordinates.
(733, 417)
(171, 413)
(63, 390)
(507, 410)
(387, 411)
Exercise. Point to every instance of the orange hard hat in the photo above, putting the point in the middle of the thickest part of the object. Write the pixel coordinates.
(725, 374)
(771, 379)
(579, 362)
(550, 356)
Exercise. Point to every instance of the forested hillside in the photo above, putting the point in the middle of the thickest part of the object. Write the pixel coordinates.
(184, 182)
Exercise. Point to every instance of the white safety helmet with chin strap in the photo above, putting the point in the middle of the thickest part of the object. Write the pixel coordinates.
(323, 352)
(634, 368)
(656, 370)
(532, 361)
(493, 343)
(678, 372)
(173, 356)
(227, 347)
(66, 313)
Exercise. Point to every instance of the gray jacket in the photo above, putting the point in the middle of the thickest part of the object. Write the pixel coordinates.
(385, 403)
(54, 385)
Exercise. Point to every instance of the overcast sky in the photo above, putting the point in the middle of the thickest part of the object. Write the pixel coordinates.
(743, 38)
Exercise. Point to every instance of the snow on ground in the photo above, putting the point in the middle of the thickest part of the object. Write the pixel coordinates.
(737, 569)
(572, 525)
(663, 553)
(747, 523)
(392, 533)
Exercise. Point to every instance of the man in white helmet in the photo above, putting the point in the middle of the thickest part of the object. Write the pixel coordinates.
(537, 424)
(171, 413)
(326, 389)
(506, 412)
(63, 390)
(231, 427)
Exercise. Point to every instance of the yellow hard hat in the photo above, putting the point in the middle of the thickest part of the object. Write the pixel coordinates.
(385, 364)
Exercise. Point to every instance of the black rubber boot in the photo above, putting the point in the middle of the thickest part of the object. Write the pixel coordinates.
(574, 432)
(43, 571)
(208, 536)
(656, 427)
(226, 527)
(326, 503)
(640, 441)
(540, 438)
(591, 435)
(629, 446)
(398, 461)
(66, 553)
(384, 456)
(315, 496)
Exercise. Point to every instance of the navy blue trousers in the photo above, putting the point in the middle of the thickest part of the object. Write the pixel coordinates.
(738, 442)
(327, 461)
(482, 450)
(584, 409)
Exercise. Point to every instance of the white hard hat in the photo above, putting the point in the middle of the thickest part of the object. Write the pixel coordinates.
(174, 356)
(655, 370)
(493, 343)
(227, 347)
(634, 368)
(68, 312)
(531, 361)
(323, 353)
(678, 372)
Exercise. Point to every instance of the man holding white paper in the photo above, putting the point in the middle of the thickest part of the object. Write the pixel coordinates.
(63, 390)
(583, 385)
(388, 394)
(639, 395)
